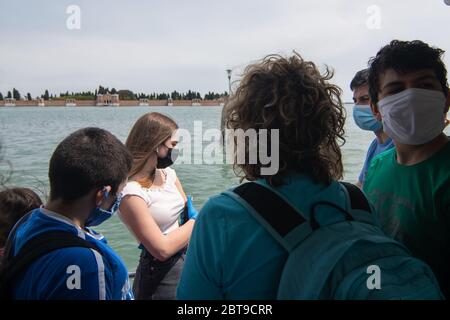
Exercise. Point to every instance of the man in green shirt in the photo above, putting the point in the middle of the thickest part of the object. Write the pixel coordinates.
(410, 185)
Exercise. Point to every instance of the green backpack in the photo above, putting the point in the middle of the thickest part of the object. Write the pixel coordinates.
(348, 257)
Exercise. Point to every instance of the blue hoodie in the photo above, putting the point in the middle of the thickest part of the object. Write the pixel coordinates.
(73, 273)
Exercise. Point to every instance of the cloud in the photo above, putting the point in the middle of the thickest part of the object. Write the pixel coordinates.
(165, 45)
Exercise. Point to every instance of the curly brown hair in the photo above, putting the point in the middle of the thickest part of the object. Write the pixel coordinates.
(291, 95)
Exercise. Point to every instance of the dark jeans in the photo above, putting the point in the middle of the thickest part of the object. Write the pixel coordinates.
(156, 280)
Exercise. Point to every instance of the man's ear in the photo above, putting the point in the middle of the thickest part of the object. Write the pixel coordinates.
(447, 121)
(448, 100)
(375, 111)
(102, 194)
(99, 197)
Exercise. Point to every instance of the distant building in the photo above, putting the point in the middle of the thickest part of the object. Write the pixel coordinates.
(170, 102)
(108, 99)
(221, 101)
(71, 103)
(40, 102)
(10, 102)
(143, 102)
(196, 102)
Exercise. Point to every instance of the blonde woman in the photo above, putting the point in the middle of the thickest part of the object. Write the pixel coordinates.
(153, 205)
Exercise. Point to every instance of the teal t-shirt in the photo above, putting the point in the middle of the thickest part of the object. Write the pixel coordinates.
(413, 203)
(231, 256)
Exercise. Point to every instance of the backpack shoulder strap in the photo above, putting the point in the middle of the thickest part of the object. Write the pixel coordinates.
(361, 209)
(36, 248)
(358, 199)
(284, 222)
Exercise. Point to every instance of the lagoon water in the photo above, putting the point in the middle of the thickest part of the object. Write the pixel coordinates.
(29, 135)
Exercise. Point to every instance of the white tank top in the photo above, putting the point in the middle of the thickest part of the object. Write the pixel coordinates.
(165, 204)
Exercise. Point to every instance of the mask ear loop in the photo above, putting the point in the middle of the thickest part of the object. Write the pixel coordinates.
(157, 149)
(105, 192)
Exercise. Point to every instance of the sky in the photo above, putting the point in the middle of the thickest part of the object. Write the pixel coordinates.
(165, 45)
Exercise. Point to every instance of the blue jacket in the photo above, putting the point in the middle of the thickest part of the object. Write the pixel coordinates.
(73, 273)
(375, 149)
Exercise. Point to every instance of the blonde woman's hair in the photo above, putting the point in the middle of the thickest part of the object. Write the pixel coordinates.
(150, 131)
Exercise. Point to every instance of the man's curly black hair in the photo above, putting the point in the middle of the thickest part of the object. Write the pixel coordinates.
(404, 57)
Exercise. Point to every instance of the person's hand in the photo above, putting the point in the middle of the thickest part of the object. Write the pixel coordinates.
(192, 212)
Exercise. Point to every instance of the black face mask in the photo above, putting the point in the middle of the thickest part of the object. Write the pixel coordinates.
(168, 160)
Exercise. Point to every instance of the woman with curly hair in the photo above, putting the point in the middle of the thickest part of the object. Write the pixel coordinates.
(231, 255)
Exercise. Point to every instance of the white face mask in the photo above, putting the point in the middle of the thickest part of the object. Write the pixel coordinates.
(413, 116)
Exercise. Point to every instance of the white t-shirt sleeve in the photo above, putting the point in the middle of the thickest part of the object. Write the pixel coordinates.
(133, 188)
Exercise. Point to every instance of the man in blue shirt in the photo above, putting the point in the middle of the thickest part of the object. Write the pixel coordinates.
(87, 172)
(364, 119)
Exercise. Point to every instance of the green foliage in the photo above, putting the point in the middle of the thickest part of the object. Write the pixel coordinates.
(45, 96)
(123, 95)
(85, 95)
(126, 95)
(16, 94)
(215, 96)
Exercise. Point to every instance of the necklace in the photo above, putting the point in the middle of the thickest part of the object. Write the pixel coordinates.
(148, 182)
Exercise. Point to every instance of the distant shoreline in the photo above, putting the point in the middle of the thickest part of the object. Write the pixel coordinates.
(121, 103)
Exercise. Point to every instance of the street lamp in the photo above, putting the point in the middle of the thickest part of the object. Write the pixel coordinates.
(229, 80)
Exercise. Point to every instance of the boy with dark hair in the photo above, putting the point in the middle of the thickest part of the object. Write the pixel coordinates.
(365, 120)
(87, 172)
(410, 185)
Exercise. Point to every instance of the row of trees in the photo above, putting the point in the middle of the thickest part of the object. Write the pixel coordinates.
(15, 94)
(123, 95)
(175, 95)
(85, 95)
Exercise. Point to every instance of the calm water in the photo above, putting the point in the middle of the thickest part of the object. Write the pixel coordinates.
(29, 136)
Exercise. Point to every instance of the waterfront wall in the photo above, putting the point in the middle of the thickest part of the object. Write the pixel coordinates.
(123, 103)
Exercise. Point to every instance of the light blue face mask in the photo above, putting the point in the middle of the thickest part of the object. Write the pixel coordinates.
(364, 118)
(99, 215)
